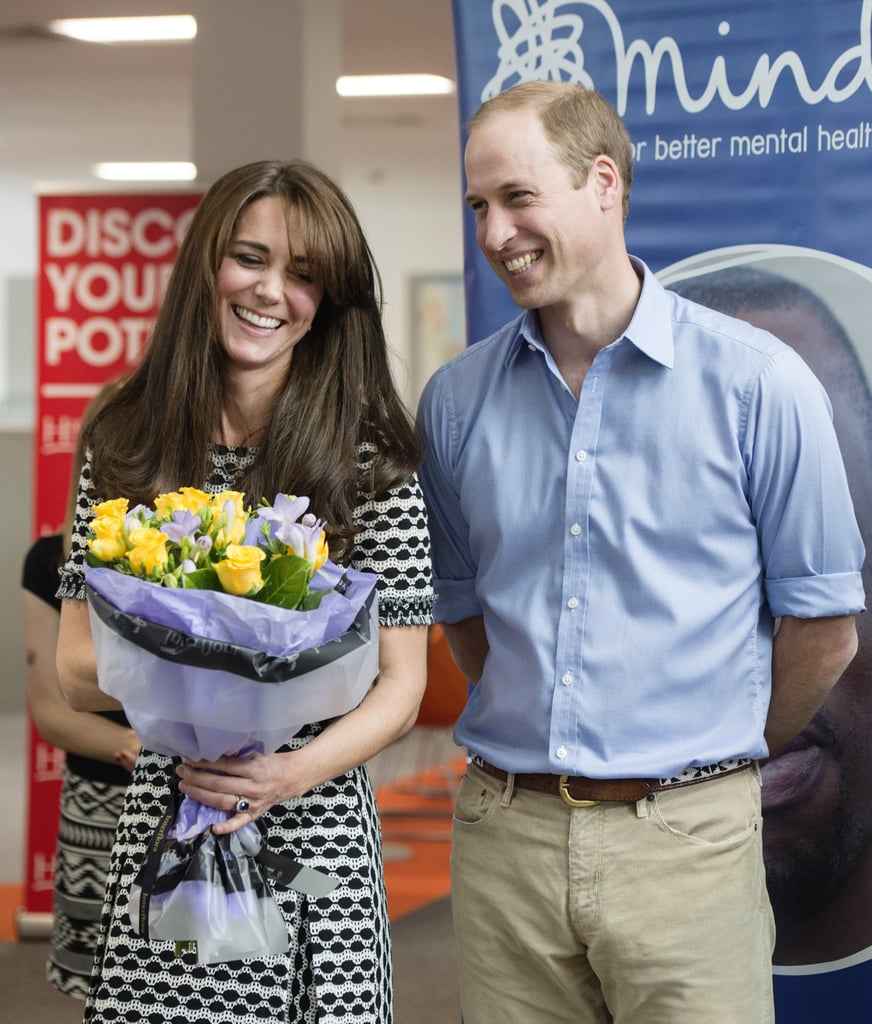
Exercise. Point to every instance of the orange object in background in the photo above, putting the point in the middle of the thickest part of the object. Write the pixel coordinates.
(447, 688)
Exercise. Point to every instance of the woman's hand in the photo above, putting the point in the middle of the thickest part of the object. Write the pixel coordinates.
(387, 712)
(263, 780)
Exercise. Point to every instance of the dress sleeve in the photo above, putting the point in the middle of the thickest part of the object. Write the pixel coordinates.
(394, 543)
(72, 575)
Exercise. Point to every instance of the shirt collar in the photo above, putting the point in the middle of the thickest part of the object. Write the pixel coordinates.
(650, 329)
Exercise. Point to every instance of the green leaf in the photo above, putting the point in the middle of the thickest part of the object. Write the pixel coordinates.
(285, 582)
(312, 599)
(201, 579)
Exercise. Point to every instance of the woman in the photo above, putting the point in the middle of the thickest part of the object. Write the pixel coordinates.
(100, 752)
(101, 749)
(267, 372)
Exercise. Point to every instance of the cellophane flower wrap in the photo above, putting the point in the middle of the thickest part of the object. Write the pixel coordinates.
(223, 630)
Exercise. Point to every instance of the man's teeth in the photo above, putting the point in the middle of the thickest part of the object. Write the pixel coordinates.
(522, 262)
(267, 322)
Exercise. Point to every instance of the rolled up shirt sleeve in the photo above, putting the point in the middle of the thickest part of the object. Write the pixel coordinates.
(811, 546)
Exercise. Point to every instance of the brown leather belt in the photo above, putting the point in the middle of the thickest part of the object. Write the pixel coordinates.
(577, 791)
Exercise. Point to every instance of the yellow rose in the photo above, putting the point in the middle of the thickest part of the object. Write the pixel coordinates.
(184, 499)
(108, 540)
(239, 572)
(148, 551)
(114, 509)
(228, 529)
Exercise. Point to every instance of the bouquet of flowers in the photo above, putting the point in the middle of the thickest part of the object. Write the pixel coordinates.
(223, 630)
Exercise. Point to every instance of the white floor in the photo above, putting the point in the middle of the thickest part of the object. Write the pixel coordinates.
(421, 748)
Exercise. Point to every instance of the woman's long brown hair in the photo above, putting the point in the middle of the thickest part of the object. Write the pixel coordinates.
(157, 431)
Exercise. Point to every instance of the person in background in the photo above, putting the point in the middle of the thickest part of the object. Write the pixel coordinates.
(267, 372)
(101, 750)
(817, 835)
(619, 484)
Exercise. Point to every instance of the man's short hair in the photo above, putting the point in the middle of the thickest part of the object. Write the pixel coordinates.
(580, 123)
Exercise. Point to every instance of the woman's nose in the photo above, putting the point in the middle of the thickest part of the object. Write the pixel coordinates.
(269, 286)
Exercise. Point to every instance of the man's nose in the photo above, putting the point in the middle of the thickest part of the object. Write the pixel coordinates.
(495, 229)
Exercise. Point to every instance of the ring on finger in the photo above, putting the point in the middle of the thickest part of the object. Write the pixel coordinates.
(242, 804)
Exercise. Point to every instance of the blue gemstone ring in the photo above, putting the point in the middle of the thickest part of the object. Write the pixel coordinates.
(242, 804)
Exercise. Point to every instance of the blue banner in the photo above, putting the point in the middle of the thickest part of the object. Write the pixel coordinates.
(751, 126)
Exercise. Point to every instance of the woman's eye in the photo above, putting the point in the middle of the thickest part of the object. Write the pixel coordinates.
(247, 259)
(298, 273)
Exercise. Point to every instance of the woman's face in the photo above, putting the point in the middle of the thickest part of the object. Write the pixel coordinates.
(266, 298)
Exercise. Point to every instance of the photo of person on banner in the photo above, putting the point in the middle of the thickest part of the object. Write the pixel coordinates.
(266, 377)
(817, 811)
(619, 483)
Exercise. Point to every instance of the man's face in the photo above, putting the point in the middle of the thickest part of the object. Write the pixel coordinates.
(817, 794)
(543, 236)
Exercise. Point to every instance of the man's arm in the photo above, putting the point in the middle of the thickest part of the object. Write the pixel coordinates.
(468, 644)
(808, 659)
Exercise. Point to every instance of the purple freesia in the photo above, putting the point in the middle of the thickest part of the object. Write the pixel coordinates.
(302, 538)
(283, 514)
(183, 525)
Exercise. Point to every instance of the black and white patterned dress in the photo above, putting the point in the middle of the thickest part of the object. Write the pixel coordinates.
(338, 967)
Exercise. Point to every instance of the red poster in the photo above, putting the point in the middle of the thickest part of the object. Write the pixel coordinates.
(104, 261)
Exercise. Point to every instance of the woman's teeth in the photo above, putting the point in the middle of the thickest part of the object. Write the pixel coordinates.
(268, 323)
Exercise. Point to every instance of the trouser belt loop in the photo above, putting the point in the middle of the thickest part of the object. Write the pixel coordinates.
(509, 790)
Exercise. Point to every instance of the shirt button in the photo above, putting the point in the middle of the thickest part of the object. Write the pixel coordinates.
(532, 348)
(580, 456)
(572, 602)
(567, 678)
(561, 752)
(575, 529)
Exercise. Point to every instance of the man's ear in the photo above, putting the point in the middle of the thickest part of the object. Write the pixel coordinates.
(607, 182)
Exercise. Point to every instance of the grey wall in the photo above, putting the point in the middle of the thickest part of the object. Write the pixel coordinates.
(16, 472)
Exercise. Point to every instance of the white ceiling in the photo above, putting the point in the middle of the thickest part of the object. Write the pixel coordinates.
(65, 105)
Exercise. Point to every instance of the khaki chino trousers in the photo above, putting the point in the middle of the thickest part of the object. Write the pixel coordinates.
(652, 912)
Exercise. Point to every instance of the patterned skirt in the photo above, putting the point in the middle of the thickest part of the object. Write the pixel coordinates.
(338, 967)
(88, 815)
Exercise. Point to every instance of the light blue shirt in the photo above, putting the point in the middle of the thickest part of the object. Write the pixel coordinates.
(630, 551)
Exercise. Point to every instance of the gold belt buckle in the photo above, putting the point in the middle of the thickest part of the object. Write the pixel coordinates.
(568, 798)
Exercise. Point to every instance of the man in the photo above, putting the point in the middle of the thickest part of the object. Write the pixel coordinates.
(620, 485)
(817, 839)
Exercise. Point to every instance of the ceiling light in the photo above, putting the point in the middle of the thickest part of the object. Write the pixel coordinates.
(127, 30)
(153, 171)
(394, 85)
